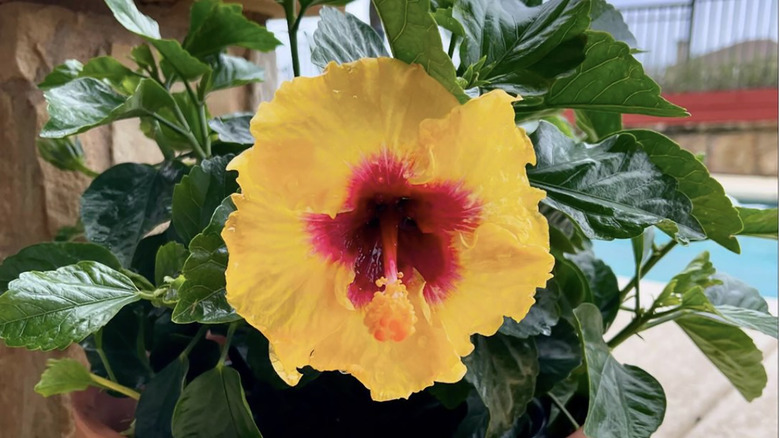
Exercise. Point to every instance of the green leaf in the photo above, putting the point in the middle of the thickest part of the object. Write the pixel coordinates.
(604, 17)
(155, 407)
(50, 256)
(63, 376)
(611, 189)
(199, 193)
(711, 207)
(214, 405)
(215, 26)
(84, 103)
(598, 124)
(112, 72)
(748, 318)
(560, 353)
(541, 317)
(126, 202)
(414, 38)
(451, 395)
(503, 370)
(524, 48)
(62, 153)
(758, 222)
(202, 297)
(175, 56)
(734, 292)
(625, 401)
(128, 15)
(730, 350)
(233, 71)
(61, 75)
(48, 310)
(142, 55)
(602, 282)
(609, 79)
(233, 128)
(169, 261)
(329, 44)
(445, 19)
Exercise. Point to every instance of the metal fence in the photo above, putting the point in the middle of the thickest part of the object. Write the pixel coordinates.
(700, 45)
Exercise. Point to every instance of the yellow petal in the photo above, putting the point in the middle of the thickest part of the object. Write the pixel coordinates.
(499, 277)
(277, 284)
(315, 130)
(391, 369)
(479, 144)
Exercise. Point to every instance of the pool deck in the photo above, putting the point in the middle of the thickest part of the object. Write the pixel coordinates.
(701, 403)
(758, 189)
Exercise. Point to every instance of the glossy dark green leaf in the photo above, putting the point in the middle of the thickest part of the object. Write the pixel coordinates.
(158, 400)
(214, 405)
(125, 202)
(84, 103)
(414, 38)
(52, 309)
(113, 72)
(175, 57)
(759, 222)
(560, 353)
(572, 284)
(603, 284)
(612, 189)
(711, 207)
(329, 44)
(233, 71)
(202, 297)
(524, 48)
(169, 261)
(63, 376)
(605, 17)
(62, 153)
(233, 128)
(50, 256)
(730, 350)
(62, 74)
(541, 317)
(609, 79)
(503, 370)
(199, 193)
(215, 26)
(625, 401)
(565, 234)
(451, 395)
(143, 57)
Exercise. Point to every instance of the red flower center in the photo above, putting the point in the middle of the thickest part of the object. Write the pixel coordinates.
(390, 225)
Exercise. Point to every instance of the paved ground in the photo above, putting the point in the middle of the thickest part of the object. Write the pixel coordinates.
(701, 403)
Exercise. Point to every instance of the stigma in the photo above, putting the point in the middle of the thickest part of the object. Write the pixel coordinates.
(390, 314)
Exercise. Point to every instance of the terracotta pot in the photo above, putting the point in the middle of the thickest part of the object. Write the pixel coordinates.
(99, 415)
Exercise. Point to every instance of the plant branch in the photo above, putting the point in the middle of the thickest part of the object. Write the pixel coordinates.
(563, 409)
(293, 23)
(654, 258)
(102, 355)
(186, 134)
(453, 43)
(226, 346)
(194, 341)
(107, 384)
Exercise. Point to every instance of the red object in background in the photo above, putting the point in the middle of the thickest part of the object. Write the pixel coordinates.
(725, 106)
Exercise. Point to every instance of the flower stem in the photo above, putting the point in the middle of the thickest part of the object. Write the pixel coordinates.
(293, 23)
(453, 43)
(107, 384)
(194, 341)
(226, 346)
(186, 134)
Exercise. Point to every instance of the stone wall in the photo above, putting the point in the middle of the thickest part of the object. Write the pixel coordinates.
(37, 199)
(741, 149)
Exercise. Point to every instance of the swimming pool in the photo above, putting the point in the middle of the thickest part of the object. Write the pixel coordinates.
(756, 266)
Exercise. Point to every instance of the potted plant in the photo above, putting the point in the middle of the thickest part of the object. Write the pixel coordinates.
(399, 246)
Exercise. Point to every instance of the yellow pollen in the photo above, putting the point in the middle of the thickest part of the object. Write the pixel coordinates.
(390, 314)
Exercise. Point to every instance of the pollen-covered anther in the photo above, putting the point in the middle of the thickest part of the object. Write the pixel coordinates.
(390, 314)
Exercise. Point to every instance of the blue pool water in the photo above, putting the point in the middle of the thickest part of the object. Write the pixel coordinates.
(756, 266)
